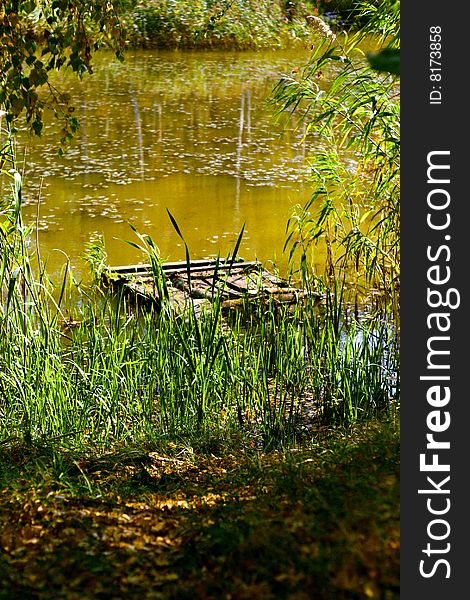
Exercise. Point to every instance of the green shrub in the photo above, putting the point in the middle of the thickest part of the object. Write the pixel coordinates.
(207, 23)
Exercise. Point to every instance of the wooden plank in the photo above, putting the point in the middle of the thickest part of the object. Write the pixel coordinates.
(193, 291)
(169, 267)
(239, 290)
(209, 284)
(204, 268)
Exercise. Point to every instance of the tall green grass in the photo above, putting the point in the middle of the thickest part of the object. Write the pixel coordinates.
(267, 373)
(124, 377)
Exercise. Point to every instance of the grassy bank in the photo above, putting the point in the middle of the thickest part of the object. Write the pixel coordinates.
(112, 376)
(232, 23)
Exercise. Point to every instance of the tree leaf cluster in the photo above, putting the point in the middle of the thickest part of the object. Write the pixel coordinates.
(38, 38)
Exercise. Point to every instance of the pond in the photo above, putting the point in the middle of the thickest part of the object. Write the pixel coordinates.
(187, 131)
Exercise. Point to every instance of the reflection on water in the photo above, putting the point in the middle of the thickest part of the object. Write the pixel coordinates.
(187, 131)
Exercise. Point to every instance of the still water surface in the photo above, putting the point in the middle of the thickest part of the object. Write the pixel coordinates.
(190, 132)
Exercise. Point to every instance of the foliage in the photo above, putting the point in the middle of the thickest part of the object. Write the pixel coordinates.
(43, 36)
(14, 255)
(350, 12)
(214, 23)
(354, 208)
(380, 19)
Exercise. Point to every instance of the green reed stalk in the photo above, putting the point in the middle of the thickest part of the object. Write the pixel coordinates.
(120, 376)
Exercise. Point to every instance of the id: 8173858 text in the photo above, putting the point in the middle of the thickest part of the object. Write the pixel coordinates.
(435, 64)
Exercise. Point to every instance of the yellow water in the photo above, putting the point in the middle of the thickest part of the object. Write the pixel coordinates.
(190, 132)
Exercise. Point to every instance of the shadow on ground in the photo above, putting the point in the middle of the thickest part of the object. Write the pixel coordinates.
(320, 523)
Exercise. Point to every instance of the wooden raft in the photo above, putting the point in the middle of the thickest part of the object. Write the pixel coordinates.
(234, 282)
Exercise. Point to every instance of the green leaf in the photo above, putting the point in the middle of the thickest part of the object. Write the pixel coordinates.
(175, 224)
(11, 285)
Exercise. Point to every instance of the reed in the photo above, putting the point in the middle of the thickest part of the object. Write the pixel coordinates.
(354, 211)
(106, 373)
(120, 376)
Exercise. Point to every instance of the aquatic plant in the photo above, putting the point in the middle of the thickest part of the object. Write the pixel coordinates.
(354, 207)
(113, 373)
